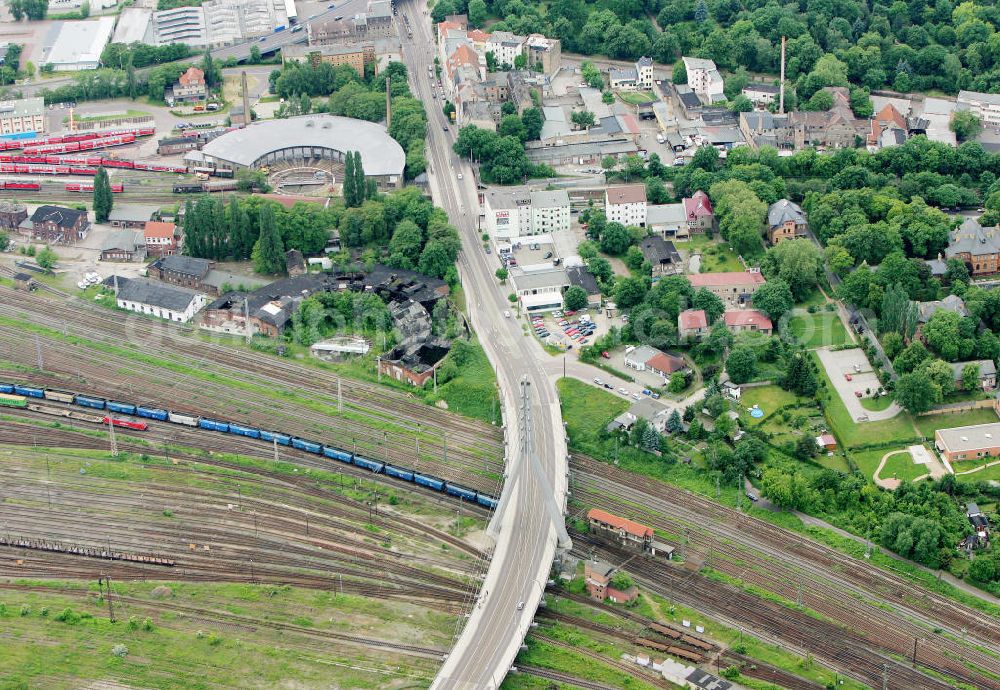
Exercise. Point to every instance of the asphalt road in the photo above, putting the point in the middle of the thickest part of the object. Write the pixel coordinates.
(526, 543)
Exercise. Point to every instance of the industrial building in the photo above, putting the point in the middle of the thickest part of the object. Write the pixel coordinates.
(316, 141)
(77, 46)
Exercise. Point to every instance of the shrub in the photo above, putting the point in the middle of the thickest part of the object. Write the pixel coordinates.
(120, 650)
(68, 616)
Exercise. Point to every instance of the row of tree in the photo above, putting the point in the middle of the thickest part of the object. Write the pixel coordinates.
(502, 158)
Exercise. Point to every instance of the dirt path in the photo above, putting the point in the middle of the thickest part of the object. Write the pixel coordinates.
(890, 484)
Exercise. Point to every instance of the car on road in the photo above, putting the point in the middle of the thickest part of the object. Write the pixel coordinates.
(636, 396)
(444, 127)
(655, 396)
(848, 377)
(752, 498)
(599, 382)
(646, 391)
(623, 391)
(520, 605)
(548, 255)
(506, 314)
(460, 176)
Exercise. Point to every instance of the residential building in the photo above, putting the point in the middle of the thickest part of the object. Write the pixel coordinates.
(355, 55)
(626, 204)
(985, 106)
(23, 115)
(623, 77)
(186, 271)
(506, 47)
(124, 245)
(977, 246)
(751, 320)
(661, 254)
(699, 212)
(59, 225)
(507, 213)
(692, 324)
(549, 211)
(163, 301)
(953, 303)
(580, 277)
(619, 530)
(887, 125)
(12, 214)
(968, 442)
(704, 79)
(598, 577)
(987, 376)
(160, 237)
(761, 95)
(761, 128)
(190, 86)
(668, 221)
(834, 128)
(732, 287)
(77, 45)
(132, 215)
(785, 221)
(644, 71)
(540, 290)
(544, 54)
(646, 358)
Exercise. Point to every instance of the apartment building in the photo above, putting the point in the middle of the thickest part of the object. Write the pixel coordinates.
(986, 106)
(626, 204)
(732, 287)
(549, 211)
(509, 214)
(23, 115)
(704, 79)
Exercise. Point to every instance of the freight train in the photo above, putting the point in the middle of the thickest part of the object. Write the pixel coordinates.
(15, 390)
(77, 146)
(21, 186)
(92, 161)
(198, 187)
(135, 132)
(21, 401)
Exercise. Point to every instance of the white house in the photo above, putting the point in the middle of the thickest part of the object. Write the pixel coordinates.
(986, 106)
(157, 299)
(761, 95)
(623, 77)
(549, 211)
(644, 70)
(507, 213)
(626, 204)
(704, 78)
(505, 46)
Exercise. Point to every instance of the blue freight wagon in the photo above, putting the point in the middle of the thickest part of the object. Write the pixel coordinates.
(306, 445)
(272, 436)
(399, 473)
(430, 482)
(486, 501)
(212, 425)
(95, 403)
(331, 452)
(6, 387)
(151, 413)
(241, 430)
(367, 464)
(124, 408)
(464, 494)
(29, 391)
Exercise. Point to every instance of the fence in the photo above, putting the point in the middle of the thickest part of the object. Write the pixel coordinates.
(959, 406)
(85, 125)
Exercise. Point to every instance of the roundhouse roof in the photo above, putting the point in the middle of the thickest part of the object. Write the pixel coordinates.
(380, 153)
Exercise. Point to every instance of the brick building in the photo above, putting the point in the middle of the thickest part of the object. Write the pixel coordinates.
(785, 221)
(620, 530)
(181, 270)
(190, 86)
(600, 579)
(692, 323)
(59, 225)
(161, 238)
(748, 320)
(732, 287)
(124, 245)
(12, 215)
(133, 216)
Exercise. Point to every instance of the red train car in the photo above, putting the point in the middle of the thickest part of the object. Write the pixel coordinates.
(30, 186)
(137, 426)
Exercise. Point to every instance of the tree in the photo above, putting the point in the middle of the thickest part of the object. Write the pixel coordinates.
(710, 302)
(268, 253)
(103, 200)
(892, 343)
(477, 12)
(680, 75)
(799, 377)
(798, 262)
(806, 448)
(674, 422)
(911, 358)
(607, 98)
(254, 54)
(621, 580)
(502, 274)
(46, 259)
(970, 377)
(916, 392)
(591, 75)
(361, 186)
(650, 440)
(575, 298)
(741, 104)
(742, 364)
(629, 292)
(349, 184)
(212, 73)
(435, 260)
(513, 126)
(965, 124)
(774, 298)
(615, 239)
(532, 120)
(583, 119)
(940, 374)
(4, 241)
(678, 382)
(820, 101)
(898, 314)
(943, 334)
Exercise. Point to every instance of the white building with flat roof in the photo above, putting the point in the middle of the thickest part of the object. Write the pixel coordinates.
(549, 211)
(704, 78)
(75, 46)
(507, 213)
(985, 106)
(135, 25)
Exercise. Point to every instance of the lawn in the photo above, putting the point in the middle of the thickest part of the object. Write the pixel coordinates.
(818, 330)
(815, 299)
(587, 409)
(876, 404)
(636, 97)
(928, 424)
(851, 433)
(716, 257)
(902, 467)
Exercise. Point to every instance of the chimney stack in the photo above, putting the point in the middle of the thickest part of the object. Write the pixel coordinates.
(246, 98)
(781, 87)
(388, 101)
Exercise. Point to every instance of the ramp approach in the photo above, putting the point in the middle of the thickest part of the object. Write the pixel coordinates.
(526, 536)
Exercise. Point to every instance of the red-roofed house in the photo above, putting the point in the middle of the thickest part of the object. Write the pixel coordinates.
(621, 530)
(665, 365)
(826, 442)
(161, 239)
(733, 287)
(190, 86)
(465, 56)
(699, 212)
(692, 323)
(748, 320)
(887, 118)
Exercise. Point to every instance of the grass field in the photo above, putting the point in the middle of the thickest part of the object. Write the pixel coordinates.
(636, 97)
(587, 409)
(902, 467)
(928, 424)
(876, 404)
(852, 433)
(716, 256)
(815, 299)
(818, 330)
(769, 398)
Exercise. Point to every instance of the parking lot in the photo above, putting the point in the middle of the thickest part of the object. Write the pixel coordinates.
(568, 330)
(851, 373)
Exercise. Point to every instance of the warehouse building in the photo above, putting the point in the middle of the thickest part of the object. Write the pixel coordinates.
(314, 141)
(968, 442)
(77, 46)
(156, 299)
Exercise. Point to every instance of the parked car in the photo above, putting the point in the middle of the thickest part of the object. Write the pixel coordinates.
(655, 396)
(584, 341)
(848, 377)
(753, 499)
(636, 396)
(609, 386)
(548, 255)
(506, 314)
(623, 391)
(646, 391)
(606, 355)
(599, 382)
